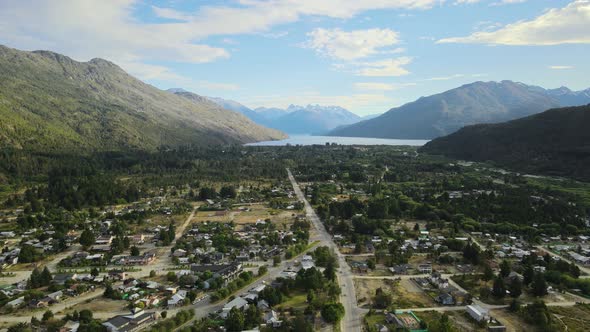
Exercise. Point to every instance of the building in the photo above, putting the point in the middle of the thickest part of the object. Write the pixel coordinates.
(238, 302)
(580, 259)
(226, 271)
(425, 268)
(177, 299)
(405, 320)
(130, 323)
(476, 312)
(271, 318)
(18, 302)
(445, 299)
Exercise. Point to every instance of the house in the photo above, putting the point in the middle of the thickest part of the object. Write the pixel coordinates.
(580, 259)
(400, 269)
(445, 299)
(41, 303)
(70, 326)
(263, 305)
(381, 328)
(425, 268)
(238, 302)
(61, 278)
(271, 318)
(179, 253)
(130, 323)
(56, 296)
(177, 299)
(258, 289)
(104, 240)
(306, 265)
(226, 271)
(16, 303)
(477, 313)
(117, 275)
(138, 239)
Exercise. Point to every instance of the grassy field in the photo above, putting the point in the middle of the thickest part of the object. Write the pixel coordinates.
(573, 319)
(580, 189)
(297, 301)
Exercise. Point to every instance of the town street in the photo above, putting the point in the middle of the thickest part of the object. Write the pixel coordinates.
(352, 317)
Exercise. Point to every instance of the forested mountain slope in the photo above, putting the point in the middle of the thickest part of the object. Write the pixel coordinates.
(50, 102)
(554, 142)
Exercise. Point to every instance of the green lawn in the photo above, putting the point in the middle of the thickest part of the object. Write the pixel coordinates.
(297, 301)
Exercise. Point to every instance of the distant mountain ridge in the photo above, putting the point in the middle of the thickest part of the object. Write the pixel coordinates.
(478, 102)
(554, 142)
(50, 102)
(295, 119)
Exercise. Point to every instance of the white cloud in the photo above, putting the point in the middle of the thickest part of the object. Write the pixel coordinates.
(507, 2)
(85, 29)
(351, 45)
(376, 86)
(444, 78)
(561, 67)
(501, 2)
(384, 68)
(568, 25)
(461, 2)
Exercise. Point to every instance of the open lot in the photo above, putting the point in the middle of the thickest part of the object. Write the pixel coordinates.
(405, 293)
(573, 319)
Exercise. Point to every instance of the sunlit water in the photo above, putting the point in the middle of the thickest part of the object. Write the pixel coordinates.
(313, 140)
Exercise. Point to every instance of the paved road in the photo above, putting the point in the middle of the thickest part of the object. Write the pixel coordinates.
(352, 320)
(17, 318)
(582, 268)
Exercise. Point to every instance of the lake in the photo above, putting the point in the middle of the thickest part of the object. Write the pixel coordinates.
(314, 140)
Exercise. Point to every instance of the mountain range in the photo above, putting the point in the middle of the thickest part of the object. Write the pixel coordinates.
(447, 112)
(50, 102)
(298, 120)
(555, 142)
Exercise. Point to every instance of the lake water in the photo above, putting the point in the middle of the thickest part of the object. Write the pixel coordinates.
(313, 140)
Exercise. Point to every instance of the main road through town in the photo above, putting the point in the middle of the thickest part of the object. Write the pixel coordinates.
(352, 320)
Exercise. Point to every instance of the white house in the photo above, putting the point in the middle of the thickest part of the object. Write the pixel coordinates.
(238, 302)
(476, 312)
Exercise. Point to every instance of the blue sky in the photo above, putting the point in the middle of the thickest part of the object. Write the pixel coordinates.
(367, 56)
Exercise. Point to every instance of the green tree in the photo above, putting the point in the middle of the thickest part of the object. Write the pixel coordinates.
(46, 277)
(529, 274)
(499, 289)
(47, 315)
(515, 287)
(539, 286)
(276, 260)
(332, 312)
(488, 274)
(300, 324)
(134, 251)
(330, 271)
(235, 320)
(505, 268)
(382, 299)
(87, 238)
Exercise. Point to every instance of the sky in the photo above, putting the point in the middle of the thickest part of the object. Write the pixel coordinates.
(364, 55)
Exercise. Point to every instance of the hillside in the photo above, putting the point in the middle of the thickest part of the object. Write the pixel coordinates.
(447, 112)
(50, 102)
(554, 142)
